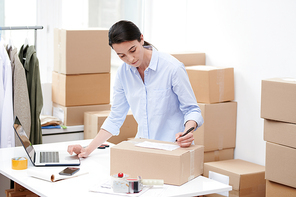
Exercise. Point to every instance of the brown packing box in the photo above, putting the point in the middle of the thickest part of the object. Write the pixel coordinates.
(276, 190)
(71, 116)
(280, 164)
(219, 128)
(190, 59)
(94, 120)
(219, 155)
(81, 51)
(211, 84)
(174, 167)
(245, 177)
(280, 133)
(77, 90)
(278, 96)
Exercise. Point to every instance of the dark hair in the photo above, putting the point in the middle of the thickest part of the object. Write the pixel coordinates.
(123, 31)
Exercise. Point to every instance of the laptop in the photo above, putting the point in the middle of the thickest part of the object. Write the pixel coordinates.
(44, 158)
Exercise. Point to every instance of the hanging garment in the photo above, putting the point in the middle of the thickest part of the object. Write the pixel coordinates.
(6, 109)
(28, 58)
(21, 104)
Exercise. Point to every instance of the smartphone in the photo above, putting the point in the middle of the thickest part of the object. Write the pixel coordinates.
(69, 171)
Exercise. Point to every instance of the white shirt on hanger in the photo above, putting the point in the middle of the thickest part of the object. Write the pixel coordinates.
(6, 107)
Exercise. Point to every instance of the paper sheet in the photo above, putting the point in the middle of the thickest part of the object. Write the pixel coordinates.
(51, 176)
(155, 145)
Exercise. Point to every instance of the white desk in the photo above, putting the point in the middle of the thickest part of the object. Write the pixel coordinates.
(98, 166)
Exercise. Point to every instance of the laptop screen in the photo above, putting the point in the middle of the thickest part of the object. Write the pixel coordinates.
(24, 139)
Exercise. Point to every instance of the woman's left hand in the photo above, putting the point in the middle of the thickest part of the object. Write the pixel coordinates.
(184, 141)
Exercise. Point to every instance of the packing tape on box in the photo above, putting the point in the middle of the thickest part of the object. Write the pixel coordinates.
(191, 165)
(19, 163)
(220, 81)
(216, 155)
(221, 141)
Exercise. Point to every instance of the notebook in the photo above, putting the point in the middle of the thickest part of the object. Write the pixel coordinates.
(44, 158)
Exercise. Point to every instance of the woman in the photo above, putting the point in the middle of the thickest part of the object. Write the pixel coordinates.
(154, 85)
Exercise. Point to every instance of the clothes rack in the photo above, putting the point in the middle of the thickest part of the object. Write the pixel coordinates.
(24, 28)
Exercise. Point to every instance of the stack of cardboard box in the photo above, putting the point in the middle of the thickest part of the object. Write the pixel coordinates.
(214, 91)
(278, 108)
(81, 76)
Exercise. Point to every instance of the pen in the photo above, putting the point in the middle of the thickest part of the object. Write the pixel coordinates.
(186, 132)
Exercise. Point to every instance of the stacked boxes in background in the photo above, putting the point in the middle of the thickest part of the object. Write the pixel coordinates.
(191, 59)
(278, 108)
(81, 76)
(94, 120)
(247, 179)
(214, 91)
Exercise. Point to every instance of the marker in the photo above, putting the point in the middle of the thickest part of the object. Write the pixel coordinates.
(186, 132)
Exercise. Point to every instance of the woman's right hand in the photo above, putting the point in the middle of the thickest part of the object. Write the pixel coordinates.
(78, 149)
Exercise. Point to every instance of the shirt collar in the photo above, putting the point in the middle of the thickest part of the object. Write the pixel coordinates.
(152, 64)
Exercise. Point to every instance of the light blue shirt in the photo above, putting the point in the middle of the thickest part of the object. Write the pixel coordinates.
(161, 105)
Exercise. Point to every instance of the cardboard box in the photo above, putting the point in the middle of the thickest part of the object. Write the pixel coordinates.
(280, 164)
(81, 51)
(245, 177)
(71, 116)
(191, 59)
(174, 167)
(77, 90)
(94, 121)
(275, 190)
(211, 84)
(278, 96)
(219, 155)
(219, 128)
(280, 133)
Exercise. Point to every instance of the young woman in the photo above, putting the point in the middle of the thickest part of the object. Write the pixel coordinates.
(154, 85)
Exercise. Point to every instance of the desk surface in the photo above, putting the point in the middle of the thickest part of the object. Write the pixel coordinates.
(98, 166)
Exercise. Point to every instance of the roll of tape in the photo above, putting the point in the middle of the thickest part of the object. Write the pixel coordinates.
(19, 163)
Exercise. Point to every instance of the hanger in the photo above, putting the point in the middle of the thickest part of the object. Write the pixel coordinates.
(27, 39)
(10, 43)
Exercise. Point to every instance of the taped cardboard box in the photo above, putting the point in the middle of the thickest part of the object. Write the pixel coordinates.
(278, 96)
(191, 58)
(280, 133)
(211, 84)
(274, 189)
(219, 128)
(280, 164)
(81, 51)
(78, 90)
(175, 167)
(245, 177)
(71, 116)
(219, 155)
(94, 120)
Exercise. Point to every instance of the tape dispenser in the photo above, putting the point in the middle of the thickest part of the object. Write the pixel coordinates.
(121, 183)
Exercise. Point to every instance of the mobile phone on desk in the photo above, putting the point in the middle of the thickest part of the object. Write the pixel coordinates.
(69, 171)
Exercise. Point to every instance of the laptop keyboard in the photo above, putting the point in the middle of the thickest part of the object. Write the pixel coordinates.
(49, 157)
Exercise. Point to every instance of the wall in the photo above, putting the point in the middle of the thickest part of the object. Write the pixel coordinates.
(257, 38)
